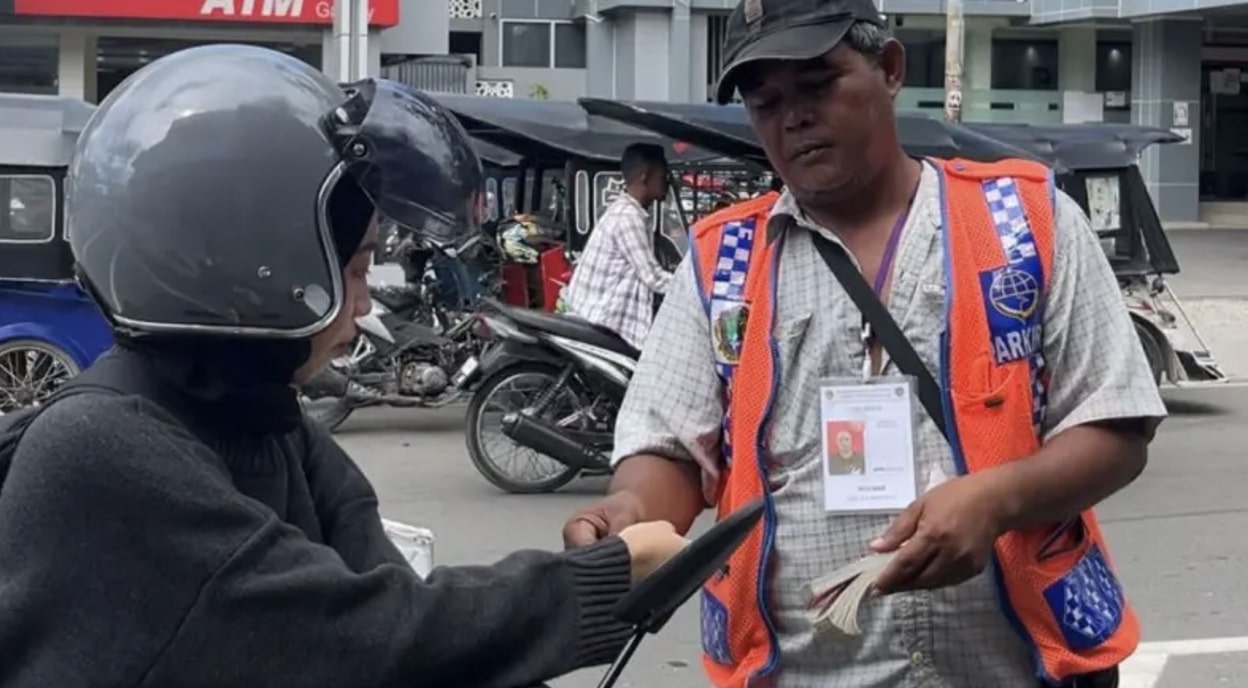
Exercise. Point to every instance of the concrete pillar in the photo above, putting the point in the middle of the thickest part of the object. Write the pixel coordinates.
(680, 41)
(699, 70)
(1165, 69)
(374, 52)
(1076, 59)
(977, 55)
(76, 66)
(330, 47)
(329, 54)
(599, 65)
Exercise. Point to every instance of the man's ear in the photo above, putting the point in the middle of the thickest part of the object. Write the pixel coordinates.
(893, 65)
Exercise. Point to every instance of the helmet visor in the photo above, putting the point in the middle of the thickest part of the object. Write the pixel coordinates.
(412, 158)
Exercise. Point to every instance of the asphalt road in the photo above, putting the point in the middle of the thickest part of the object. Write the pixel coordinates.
(1178, 533)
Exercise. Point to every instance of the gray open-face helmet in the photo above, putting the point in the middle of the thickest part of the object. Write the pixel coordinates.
(199, 198)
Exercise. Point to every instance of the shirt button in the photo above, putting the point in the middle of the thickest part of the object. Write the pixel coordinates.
(916, 659)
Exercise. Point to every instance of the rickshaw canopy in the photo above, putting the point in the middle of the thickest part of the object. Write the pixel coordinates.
(1094, 163)
(726, 130)
(495, 156)
(555, 131)
(1082, 146)
(40, 131)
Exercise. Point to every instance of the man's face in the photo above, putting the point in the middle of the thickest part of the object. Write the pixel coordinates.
(335, 340)
(845, 444)
(826, 124)
(655, 184)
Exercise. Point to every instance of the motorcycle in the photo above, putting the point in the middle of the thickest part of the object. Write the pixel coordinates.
(577, 374)
(410, 344)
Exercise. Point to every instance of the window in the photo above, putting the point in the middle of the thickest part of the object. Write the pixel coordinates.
(539, 43)
(1024, 64)
(716, 34)
(1113, 66)
(570, 46)
(28, 64)
(925, 57)
(31, 205)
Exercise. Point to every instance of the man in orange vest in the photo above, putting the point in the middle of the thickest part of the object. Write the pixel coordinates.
(1024, 400)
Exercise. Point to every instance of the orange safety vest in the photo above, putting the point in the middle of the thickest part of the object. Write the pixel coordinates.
(1060, 591)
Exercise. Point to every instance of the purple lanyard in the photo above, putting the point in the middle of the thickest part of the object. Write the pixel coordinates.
(881, 277)
(890, 250)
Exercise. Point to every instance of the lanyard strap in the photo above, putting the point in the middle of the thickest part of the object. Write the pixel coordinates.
(890, 251)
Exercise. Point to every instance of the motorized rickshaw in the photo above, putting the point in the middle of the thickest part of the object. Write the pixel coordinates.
(1095, 164)
(570, 172)
(49, 329)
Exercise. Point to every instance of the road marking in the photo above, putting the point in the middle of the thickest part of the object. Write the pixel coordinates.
(1144, 668)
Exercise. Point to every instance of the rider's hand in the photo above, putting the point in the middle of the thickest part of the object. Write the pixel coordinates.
(606, 517)
(650, 545)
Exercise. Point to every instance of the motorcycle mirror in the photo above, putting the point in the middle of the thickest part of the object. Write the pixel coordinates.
(651, 602)
(649, 605)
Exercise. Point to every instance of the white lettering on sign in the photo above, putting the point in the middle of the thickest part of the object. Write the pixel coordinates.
(325, 10)
(252, 8)
(1018, 344)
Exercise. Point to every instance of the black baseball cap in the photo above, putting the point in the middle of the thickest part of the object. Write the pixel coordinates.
(786, 30)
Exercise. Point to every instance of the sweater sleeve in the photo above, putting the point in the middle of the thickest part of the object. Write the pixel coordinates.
(346, 503)
(193, 584)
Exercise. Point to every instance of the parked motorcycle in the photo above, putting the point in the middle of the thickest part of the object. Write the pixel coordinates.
(552, 384)
(411, 343)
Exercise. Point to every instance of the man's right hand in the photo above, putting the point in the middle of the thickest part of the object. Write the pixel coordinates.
(606, 517)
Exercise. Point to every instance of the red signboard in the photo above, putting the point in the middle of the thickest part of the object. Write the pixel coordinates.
(382, 13)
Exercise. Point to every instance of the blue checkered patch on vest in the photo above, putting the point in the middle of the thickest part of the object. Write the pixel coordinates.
(715, 629)
(728, 291)
(1014, 294)
(1087, 602)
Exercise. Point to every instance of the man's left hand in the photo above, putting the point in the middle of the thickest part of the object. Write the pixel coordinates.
(945, 536)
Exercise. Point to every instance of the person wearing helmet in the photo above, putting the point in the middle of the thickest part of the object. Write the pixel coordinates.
(177, 521)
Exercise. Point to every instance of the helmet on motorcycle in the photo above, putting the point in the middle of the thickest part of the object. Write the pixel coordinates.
(206, 193)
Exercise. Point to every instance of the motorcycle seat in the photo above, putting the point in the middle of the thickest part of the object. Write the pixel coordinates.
(572, 327)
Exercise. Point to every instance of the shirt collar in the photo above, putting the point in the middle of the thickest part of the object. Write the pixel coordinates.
(627, 199)
(929, 186)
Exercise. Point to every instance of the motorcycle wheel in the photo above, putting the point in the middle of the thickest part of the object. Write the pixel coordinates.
(475, 422)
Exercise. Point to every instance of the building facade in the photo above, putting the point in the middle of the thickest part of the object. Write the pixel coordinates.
(1175, 64)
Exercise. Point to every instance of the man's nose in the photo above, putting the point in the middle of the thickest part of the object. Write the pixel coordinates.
(363, 305)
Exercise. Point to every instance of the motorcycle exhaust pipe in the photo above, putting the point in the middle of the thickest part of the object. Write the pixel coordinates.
(549, 440)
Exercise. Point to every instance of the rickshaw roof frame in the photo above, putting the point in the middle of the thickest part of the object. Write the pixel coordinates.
(726, 129)
(553, 132)
(40, 130)
(494, 155)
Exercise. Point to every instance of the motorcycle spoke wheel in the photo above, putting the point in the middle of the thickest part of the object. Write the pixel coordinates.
(506, 464)
(30, 372)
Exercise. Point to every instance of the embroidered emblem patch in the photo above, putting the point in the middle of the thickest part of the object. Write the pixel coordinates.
(728, 321)
(1012, 297)
(1087, 602)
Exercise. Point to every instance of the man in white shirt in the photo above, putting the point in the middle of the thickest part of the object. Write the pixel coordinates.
(617, 276)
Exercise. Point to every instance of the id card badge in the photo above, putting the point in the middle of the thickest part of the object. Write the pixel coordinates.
(868, 433)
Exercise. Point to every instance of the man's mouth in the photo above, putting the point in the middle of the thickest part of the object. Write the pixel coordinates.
(807, 150)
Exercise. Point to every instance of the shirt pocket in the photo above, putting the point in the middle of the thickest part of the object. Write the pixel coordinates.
(793, 438)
